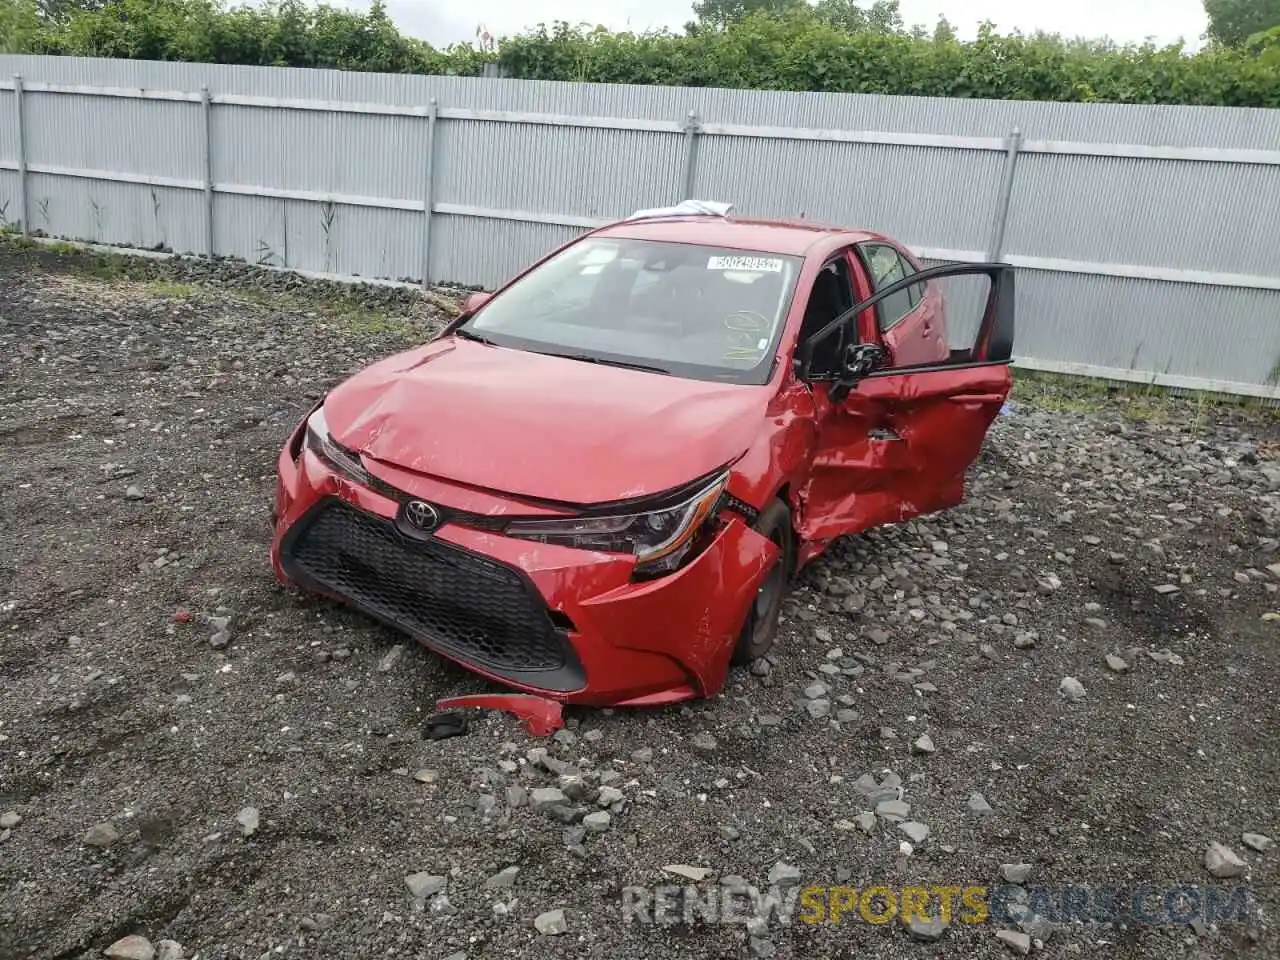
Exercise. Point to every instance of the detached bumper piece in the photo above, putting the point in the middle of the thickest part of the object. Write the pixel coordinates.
(466, 606)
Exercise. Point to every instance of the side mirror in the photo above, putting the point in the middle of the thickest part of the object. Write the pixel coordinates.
(475, 301)
(860, 359)
(856, 361)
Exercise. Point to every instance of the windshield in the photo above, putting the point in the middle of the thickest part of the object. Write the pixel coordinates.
(706, 313)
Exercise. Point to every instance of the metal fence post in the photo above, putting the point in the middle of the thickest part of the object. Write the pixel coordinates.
(691, 130)
(22, 156)
(428, 192)
(1013, 143)
(206, 108)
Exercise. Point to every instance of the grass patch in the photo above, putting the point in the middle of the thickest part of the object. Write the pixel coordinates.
(168, 288)
(365, 322)
(1058, 392)
(106, 267)
(1140, 402)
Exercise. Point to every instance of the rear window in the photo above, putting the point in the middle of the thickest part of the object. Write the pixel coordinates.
(703, 312)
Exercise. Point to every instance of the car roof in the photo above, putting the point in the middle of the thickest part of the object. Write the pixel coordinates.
(793, 237)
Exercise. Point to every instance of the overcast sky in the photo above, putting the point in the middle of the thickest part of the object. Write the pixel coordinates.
(442, 22)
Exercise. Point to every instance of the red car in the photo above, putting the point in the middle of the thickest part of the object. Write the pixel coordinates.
(595, 483)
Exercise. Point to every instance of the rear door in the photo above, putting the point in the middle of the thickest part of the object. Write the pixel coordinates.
(910, 328)
(896, 443)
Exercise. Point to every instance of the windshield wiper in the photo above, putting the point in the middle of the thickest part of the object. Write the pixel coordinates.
(587, 358)
(466, 334)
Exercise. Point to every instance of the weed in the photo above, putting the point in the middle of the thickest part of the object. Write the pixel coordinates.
(155, 214)
(99, 211)
(266, 256)
(169, 288)
(328, 216)
(107, 267)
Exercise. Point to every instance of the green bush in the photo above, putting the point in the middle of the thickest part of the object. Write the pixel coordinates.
(834, 46)
(804, 53)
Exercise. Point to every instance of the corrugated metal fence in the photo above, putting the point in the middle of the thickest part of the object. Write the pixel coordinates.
(1148, 238)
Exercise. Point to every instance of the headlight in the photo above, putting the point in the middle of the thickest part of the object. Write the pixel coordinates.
(659, 539)
(344, 461)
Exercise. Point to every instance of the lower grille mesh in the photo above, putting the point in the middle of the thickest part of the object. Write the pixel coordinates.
(464, 604)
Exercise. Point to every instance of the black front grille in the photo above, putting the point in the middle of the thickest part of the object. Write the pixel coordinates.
(465, 605)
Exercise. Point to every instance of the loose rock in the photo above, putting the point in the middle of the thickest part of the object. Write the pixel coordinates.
(1222, 862)
(1018, 942)
(132, 947)
(1071, 689)
(503, 880)
(248, 820)
(1015, 872)
(551, 924)
(546, 796)
(926, 931)
(1117, 664)
(389, 659)
(893, 810)
(784, 875)
(915, 830)
(102, 835)
(1257, 841)
(696, 874)
(703, 742)
(423, 885)
(977, 803)
(818, 708)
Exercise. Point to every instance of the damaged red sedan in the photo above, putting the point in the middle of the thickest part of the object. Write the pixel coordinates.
(595, 483)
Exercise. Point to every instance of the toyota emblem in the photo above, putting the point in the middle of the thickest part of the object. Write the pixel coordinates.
(421, 515)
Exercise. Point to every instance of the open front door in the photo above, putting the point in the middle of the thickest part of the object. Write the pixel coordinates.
(895, 444)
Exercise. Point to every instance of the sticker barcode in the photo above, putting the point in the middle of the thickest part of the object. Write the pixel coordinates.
(750, 264)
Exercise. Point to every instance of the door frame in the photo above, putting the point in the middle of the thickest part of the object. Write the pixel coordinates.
(994, 343)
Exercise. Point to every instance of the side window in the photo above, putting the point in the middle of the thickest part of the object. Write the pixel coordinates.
(885, 267)
(832, 295)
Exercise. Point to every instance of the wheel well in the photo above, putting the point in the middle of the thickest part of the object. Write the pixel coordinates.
(784, 494)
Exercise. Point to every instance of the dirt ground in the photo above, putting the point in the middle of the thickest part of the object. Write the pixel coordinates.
(142, 406)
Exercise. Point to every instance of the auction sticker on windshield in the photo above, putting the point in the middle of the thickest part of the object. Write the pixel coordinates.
(752, 264)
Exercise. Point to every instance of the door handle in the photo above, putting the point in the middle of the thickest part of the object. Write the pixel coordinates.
(978, 398)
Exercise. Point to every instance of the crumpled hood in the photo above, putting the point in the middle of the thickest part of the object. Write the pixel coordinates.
(541, 427)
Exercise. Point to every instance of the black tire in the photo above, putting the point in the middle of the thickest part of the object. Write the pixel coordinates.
(761, 625)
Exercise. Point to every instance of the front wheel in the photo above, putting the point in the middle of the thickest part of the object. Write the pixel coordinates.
(761, 626)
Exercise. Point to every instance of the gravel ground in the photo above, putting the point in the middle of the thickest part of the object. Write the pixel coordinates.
(157, 683)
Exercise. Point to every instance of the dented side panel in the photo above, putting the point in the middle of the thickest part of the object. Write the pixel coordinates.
(898, 446)
(694, 615)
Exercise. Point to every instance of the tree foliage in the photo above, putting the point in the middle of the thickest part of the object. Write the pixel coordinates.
(718, 14)
(19, 26)
(833, 45)
(805, 53)
(289, 33)
(1233, 22)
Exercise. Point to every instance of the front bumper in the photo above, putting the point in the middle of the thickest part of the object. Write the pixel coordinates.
(563, 623)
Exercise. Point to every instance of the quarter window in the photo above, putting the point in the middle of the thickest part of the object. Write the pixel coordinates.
(886, 266)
